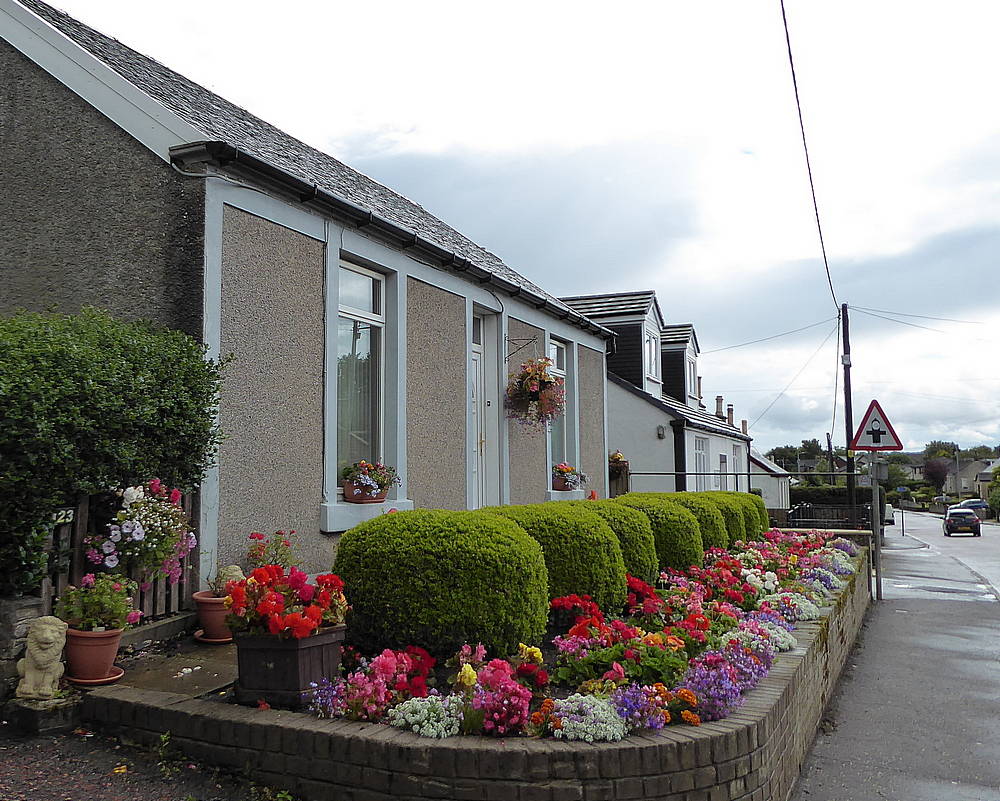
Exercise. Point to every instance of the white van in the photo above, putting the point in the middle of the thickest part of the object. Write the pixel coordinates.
(889, 518)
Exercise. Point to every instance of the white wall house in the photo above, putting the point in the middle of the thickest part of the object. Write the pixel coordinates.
(772, 480)
(656, 417)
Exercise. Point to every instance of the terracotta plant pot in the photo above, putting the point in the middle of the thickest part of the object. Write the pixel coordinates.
(279, 671)
(90, 655)
(212, 613)
(559, 484)
(358, 493)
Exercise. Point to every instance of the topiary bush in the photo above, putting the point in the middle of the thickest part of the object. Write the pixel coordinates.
(732, 514)
(710, 519)
(754, 525)
(438, 579)
(635, 536)
(582, 553)
(675, 529)
(89, 402)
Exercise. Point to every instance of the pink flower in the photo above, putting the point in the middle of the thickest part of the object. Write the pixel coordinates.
(297, 579)
(306, 592)
(154, 486)
(617, 673)
(117, 586)
(87, 580)
(175, 497)
(133, 617)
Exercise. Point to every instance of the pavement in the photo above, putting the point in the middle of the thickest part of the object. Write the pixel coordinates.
(916, 714)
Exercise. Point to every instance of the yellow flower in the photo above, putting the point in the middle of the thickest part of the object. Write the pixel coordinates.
(529, 653)
(120, 769)
(793, 559)
(467, 676)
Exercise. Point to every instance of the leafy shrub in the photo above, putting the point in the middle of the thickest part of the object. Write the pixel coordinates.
(750, 505)
(732, 514)
(675, 529)
(828, 495)
(582, 553)
(90, 402)
(710, 519)
(634, 532)
(439, 579)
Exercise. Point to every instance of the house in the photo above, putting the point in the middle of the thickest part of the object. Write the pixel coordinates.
(773, 481)
(656, 417)
(984, 477)
(362, 327)
(965, 479)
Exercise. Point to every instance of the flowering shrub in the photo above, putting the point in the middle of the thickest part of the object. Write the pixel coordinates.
(269, 601)
(150, 531)
(434, 716)
(588, 718)
(501, 699)
(534, 396)
(370, 479)
(276, 549)
(101, 602)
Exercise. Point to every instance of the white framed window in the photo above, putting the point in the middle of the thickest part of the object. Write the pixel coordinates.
(651, 356)
(722, 479)
(737, 466)
(557, 428)
(701, 463)
(360, 365)
(692, 379)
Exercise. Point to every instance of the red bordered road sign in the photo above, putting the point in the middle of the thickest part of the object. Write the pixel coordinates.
(876, 432)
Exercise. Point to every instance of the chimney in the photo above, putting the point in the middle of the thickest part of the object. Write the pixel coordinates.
(699, 388)
(729, 414)
(743, 425)
(718, 406)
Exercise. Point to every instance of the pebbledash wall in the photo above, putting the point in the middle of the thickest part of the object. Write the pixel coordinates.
(754, 755)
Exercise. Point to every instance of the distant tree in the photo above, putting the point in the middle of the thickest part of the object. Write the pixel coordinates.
(785, 455)
(936, 472)
(897, 477)
(811, 449)
(978, 452)
(898, 458)
(938, 449)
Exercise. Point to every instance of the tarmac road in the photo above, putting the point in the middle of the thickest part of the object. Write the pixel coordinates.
(916, 715)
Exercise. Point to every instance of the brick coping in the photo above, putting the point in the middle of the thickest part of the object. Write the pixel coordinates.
(753, 755)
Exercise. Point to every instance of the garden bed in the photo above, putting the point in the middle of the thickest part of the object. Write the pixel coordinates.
(752, 755)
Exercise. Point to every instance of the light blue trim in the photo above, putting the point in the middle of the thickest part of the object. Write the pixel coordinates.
(394, 394)
(503, 441)
(341, 516)
(471, 446)
(565, 495)
(331, 293)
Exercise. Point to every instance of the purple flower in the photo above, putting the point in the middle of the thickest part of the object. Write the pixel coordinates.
(94, 556)
(111, 561)
(714, 681)
(108, 546)
(87, 580)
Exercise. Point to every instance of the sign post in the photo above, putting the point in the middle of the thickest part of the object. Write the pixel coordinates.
(876, 434)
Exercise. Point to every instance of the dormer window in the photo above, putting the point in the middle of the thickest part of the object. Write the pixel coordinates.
(692, 379)
(651, 356)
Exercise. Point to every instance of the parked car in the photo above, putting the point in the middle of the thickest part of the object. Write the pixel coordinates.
(959, 519)
(941, 499)
(973, 503)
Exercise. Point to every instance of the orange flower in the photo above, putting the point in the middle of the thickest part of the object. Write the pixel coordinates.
(666, 717)
(674, 643)
(687, 696)
(690, 717)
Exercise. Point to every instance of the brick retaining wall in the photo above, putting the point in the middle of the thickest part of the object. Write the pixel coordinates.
(754, 755)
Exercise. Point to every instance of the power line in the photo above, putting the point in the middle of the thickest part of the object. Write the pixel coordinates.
(921, 316)
(900, 322)
(767, 339)
(805, 148)
(795, 377)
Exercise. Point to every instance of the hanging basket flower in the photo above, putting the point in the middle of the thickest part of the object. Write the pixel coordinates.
(534, 396)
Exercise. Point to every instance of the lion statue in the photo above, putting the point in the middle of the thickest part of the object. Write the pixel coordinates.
(42, 667)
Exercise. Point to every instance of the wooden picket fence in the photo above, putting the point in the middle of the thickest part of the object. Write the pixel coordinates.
(158, 601)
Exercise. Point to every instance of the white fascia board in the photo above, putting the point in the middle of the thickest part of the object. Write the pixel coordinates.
(138, 114)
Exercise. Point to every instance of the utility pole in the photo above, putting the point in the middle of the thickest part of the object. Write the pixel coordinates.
(848, 408)
(829, 450)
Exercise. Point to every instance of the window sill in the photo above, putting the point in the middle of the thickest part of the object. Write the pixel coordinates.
(340, 516)
(565, 495)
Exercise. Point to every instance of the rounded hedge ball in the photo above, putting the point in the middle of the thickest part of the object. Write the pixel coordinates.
(675, 529)
(732, 513)
(439, 579)
(634, 532)
(582, 553)
(710, 519)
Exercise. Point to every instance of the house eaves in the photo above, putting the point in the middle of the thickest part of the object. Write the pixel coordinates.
(692, 418)
(176, 118)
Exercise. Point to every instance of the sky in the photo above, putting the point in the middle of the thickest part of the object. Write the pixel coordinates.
(656, 145)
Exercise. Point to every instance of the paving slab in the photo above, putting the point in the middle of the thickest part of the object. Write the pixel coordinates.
(194, 669)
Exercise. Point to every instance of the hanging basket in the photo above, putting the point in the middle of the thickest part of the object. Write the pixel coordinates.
(534, 396)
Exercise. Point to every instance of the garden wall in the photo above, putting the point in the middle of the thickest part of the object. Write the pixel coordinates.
(754, 755)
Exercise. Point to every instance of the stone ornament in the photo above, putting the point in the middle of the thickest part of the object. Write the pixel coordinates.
(42, 667)
(227, 574)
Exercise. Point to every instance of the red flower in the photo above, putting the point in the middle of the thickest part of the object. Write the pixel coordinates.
(306, 593)
(314, 613)
(330, 581)
(631, 653)
(256, 536)
(275, 624)
(175, 497)
(299, 625)
(541, 678)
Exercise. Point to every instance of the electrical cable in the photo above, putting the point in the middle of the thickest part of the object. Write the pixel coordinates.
(766, 339)
(921, 316)
(805, 148)
(900, 322)
(795, 377)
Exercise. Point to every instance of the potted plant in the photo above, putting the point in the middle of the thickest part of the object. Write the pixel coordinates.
(364, 482)
(617, 464)
(534, 396)
(565, 477)
(287, 631)
(212, 609)
(150, 531)
(97, 612)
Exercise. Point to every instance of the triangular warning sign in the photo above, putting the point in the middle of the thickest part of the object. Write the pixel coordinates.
(875, 432)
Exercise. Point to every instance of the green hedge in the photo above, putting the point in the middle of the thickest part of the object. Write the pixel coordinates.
(89, 402)
(675, 529)
(710, 519)
(732, 514)
(634, 532)
(438, 579)
(829, 495)
(755, 518)
(582, 553)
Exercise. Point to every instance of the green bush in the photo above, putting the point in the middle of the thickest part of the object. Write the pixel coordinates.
(582, 553)
(675, 529)
(438, 579)
(829, 495)
(635, 536)
(88, 402)
(710, 519)
(755, 518)
(732, 514)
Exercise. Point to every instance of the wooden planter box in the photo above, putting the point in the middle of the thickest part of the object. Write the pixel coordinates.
(278, 671)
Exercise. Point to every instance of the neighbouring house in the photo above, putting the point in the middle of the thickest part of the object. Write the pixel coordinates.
(965, 479)
(656, 417)
(362, 327)
(984, 477)
(773, 481)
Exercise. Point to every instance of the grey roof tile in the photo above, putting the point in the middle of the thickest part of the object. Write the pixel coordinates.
(612, 305)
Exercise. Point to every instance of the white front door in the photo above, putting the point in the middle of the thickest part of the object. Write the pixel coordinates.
(479, 463)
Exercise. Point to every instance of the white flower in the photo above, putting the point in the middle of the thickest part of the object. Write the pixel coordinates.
(111, 561)
(131, 495)
(137, 533)
(107, 546)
